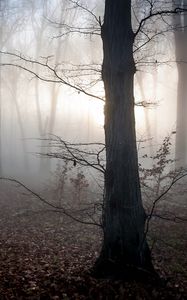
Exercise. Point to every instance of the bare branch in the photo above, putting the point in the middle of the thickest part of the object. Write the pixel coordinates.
(60, 208)
(175, 179)
(152, 14)
(172, 218)
(56, 78)
(84, 8)
(75, 152)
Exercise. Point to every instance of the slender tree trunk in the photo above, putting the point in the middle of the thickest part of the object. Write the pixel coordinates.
(44, 166)
(1, 171)
(1, 43)
(124, 244)
(181, 134)
(20, 121)
(181, 58)
(146, 113)
(55, 87)
(155, 120)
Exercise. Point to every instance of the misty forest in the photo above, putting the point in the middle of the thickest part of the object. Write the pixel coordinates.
(93, 149)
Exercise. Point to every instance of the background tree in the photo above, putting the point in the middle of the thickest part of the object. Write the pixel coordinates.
(180, 34)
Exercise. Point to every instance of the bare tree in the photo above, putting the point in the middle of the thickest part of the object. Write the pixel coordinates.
(180, 34)
(124, 248)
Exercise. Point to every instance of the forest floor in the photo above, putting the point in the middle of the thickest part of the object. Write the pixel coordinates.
(44, 255)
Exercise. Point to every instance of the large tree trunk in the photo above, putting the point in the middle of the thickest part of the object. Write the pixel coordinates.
(124, 244)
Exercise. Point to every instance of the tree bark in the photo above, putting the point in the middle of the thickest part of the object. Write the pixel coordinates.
(124, 244)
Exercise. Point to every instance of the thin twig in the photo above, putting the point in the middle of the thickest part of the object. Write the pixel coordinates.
(62, 209)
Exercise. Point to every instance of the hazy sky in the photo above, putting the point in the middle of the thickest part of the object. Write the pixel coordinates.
(27, 30)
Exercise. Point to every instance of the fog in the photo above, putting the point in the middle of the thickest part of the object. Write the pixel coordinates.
(33, 109)
(62, 198)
